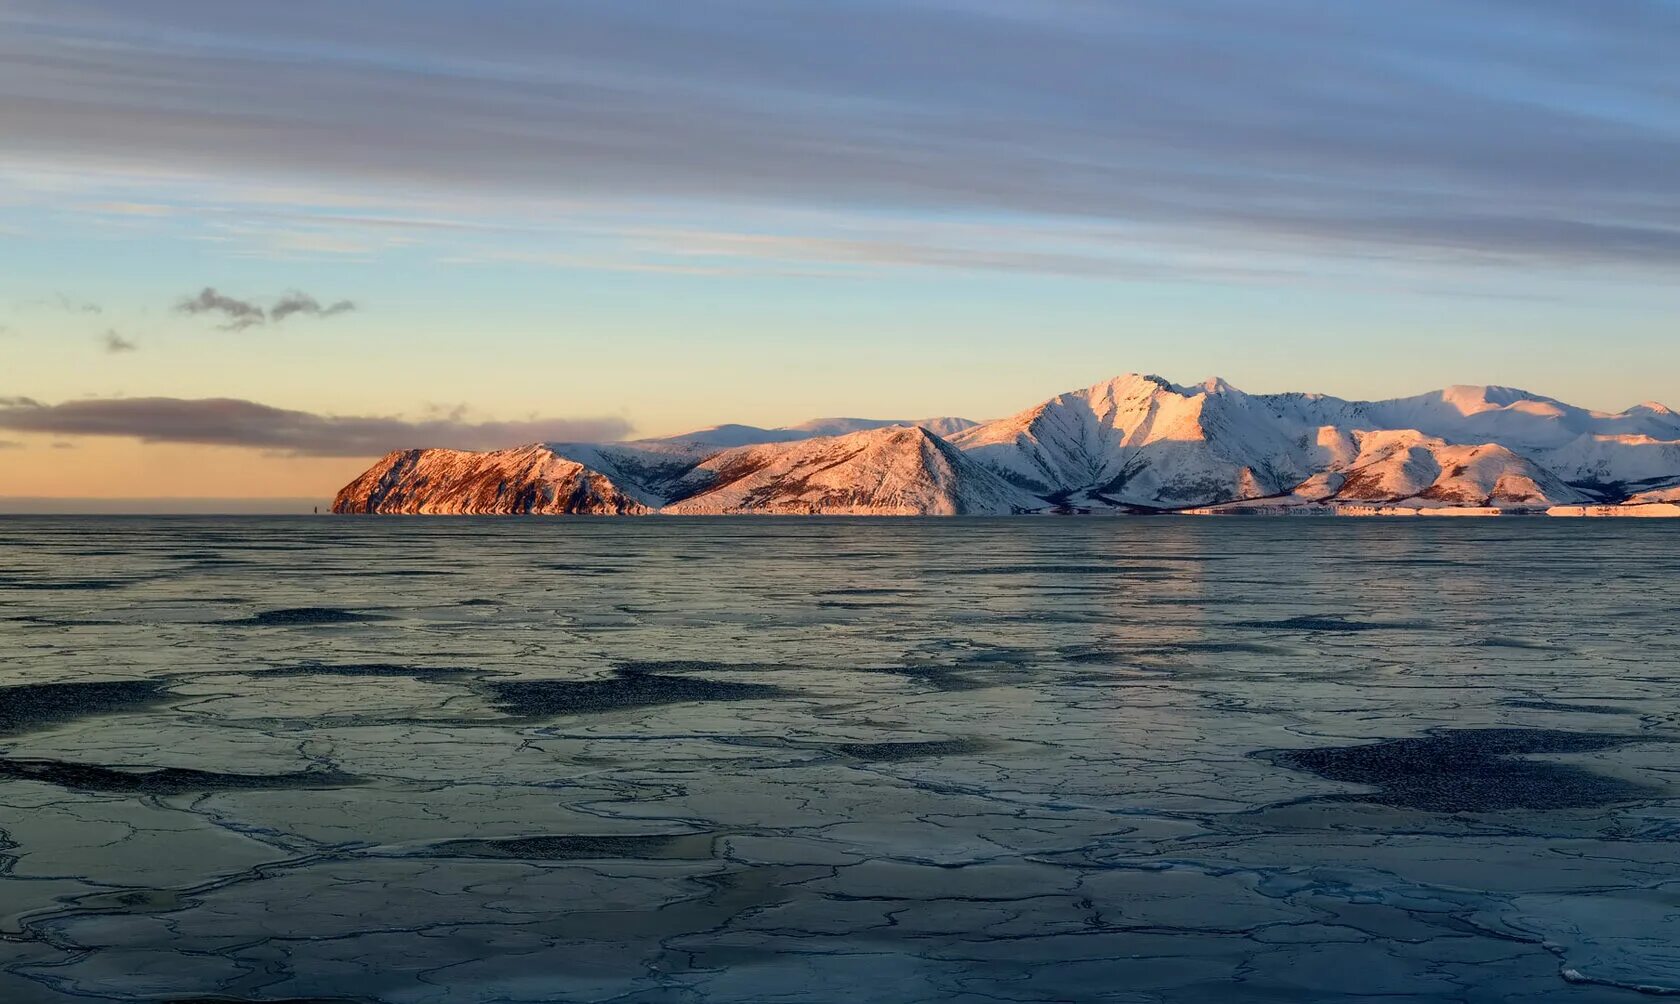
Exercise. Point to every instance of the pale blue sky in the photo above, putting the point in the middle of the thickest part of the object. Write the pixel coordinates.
(652, 216)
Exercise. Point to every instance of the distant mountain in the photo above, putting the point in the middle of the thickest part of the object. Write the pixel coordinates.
(1135, 443)
(892, 471)
(816, 428)
(530, 479)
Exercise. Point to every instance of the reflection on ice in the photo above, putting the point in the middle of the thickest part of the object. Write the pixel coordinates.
(741, 760)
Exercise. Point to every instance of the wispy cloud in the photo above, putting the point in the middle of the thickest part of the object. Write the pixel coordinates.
(237, 422)
(115, 344)
(303, 303)
(1428, 130)
(1027, 249)
(78, 306)
(64, 302)
(10, 444)
(241, 314)
(151, 210)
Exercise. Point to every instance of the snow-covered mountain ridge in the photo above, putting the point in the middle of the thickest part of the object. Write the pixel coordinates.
(1135, 443)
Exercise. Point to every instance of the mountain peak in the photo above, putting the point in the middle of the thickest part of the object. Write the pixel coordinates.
(1134, 440)
(1470, 399)
(1128, 385)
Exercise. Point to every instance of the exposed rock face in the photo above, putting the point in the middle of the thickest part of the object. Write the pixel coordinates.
(1135, 442)
(1139, 440)
(893, 471)
(1409, 468)
(896, 471)
(1142, 441)
(531, 479)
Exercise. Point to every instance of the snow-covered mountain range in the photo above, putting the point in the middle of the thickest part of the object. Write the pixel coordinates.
(1135, 443)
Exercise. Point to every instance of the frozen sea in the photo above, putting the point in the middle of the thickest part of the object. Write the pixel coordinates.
(678, 760)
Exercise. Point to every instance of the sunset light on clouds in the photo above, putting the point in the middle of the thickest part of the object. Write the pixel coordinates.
(636, 219)
(839, 501)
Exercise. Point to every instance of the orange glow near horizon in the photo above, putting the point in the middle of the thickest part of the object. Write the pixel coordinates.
(124, 468)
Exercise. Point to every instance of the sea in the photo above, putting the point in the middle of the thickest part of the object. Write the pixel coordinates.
(1161, 759)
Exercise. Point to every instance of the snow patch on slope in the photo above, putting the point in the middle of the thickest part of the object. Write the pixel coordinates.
(899, 470)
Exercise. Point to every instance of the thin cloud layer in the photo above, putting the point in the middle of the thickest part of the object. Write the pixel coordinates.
(1535, 130)
(303, 303)
(116, 344)
(236, 422)
(241, 314)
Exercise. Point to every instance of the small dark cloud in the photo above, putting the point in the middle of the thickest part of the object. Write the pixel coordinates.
(59, 444)
(66, 303)
(239, 314)
(79, 306)
(302, 303)
(116, 344)
(236, 422)
(10, 444)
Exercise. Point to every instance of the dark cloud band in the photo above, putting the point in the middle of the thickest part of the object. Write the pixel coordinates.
(241, 314)
(236, 422)
(238, 314)
(116, 344)
(1542, 130)
(303, 303)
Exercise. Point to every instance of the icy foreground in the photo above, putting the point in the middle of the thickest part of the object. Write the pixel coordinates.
(1135, 443)
(827, 761)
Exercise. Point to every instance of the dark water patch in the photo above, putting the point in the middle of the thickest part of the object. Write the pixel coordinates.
(1327, 623)
(477, 602)
(131, 901)
(65, 585)
(1470, 770)
(891, 751)
(898, 752)
(1496, 641)
(1086, 657)
(855, 605)
(950, 679)
(394, 573)
(376, 669)
(861, 592)
(266, 1000)
(31, 706)
(698, 666)
(45, 621)
(578, 847)
(624, 690)
(300, 616)
(1191, 601)
(1124, 656)
(161, 780)
(1585, 709)
(1415, 562)
(1219, 647)
(1065, 570)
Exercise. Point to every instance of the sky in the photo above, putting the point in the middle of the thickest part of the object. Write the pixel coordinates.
(246, 248)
